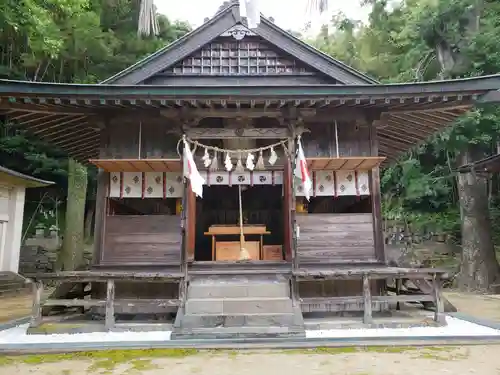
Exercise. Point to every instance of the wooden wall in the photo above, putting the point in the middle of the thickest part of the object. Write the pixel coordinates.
(152, 138)
(133, 139)
(335, 238)
(142, 240)
(353, 140)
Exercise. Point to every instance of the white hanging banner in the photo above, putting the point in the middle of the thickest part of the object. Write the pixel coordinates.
(250, 10)
(301, 170)
(191, 172)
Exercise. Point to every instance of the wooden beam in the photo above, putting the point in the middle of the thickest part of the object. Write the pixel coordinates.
(33, 108)
(422, 118)
(376, 199)
(225, 133)
(86, 303)
(110, 307)
(430, 108)
(438, 299)
(234, 113)
(74, 132)
(367, 299)
(100, 215)
(407, 129)
(36, 309)
(91, 140)
(36, 120)
(58, 124)
(419, 124)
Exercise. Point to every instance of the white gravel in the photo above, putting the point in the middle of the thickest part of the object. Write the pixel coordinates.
(455, 327)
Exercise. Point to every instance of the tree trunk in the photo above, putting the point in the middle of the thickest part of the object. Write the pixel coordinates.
(89, 220)
(479, 268)
(71, 255)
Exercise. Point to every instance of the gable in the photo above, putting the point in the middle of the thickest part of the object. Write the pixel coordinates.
(230, 50)
(239, 52)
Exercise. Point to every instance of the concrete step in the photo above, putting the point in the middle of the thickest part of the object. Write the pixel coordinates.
(250, 320)
(239, 291)
(239, 287)
(236, 332)
(238, 306)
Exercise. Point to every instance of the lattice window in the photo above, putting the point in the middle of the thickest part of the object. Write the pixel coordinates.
(227, 56)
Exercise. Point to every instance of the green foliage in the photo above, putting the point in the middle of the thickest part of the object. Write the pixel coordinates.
(403, 42)
(80, 41)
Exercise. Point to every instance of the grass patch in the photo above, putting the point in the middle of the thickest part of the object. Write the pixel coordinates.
(101, 360)
(441, 355)
(142, 359)
(50, 328)
(365, 349)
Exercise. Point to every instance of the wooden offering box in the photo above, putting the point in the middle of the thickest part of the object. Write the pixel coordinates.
(273, 252)
(230, 250)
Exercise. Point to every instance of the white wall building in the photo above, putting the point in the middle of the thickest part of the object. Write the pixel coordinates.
(13, 186)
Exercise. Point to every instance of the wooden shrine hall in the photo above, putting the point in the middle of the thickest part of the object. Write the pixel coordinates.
(240, 99)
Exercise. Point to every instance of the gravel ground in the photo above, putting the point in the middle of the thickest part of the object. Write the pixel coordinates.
(481, 360)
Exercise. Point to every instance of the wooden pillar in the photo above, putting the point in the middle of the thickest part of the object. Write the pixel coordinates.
(399, 284)
(190, 222)
(374, 179)
(100, 215)
(367, 298)
(184, 248)
(287, 207)
(438, 299)
(110, 305)
(36, 311)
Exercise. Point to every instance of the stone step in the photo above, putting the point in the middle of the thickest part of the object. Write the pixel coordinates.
(250, 320)
(237, 332)
(238, 306)
(239, 287)
(239, 291)
(238, 279)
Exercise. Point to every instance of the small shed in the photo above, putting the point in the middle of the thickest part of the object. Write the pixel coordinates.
(13, 186)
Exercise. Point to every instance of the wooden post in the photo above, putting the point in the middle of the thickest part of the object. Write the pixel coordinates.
(100, 215)
(367, 297)
(438, 300)
(36, 312)
(190, 217)
(110, 305)
(374, 180)
(398, 292)
(186, 203)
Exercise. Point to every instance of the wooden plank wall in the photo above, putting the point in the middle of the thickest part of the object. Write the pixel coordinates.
(142, 240)
(335, 238)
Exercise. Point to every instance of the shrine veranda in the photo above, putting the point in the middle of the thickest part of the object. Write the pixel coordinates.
(238, 94)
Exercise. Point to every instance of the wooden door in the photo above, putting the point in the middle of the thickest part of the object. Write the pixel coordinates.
(287, 207)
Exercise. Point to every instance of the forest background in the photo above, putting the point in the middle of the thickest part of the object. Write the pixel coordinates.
(86, 41)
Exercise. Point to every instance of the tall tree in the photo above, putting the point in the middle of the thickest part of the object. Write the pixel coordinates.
(71, 254)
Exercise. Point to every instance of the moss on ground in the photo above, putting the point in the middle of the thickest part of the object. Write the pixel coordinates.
(142, 359)
(105, 359)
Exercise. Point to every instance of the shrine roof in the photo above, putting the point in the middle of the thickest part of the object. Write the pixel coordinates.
(69, 116)
(441, 88)
(225, 19)
(17, 178)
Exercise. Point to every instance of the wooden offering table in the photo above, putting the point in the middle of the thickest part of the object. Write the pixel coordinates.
(230, 250)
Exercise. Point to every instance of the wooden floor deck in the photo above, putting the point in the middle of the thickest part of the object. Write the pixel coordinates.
(366, 273)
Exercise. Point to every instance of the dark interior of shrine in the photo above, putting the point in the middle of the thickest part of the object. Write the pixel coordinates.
(219, 206)
(339, 205)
